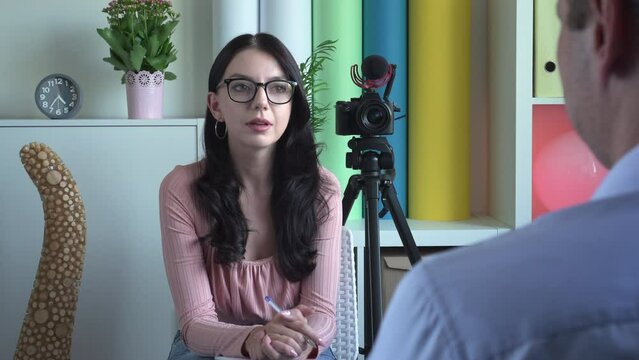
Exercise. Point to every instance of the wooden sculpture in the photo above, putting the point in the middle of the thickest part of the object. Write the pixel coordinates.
(48, 323)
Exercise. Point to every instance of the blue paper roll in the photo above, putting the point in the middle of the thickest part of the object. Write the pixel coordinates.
(385, 34)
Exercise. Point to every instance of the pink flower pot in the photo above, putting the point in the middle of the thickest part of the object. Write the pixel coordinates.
(145, 94)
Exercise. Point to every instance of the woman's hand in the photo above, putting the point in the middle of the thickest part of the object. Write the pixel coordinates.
(252, 346)
(286, 336)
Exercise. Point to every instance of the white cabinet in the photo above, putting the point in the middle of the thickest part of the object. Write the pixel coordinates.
(124, 309)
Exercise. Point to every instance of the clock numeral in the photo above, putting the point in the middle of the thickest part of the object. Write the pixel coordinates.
(58, 112)
(72, 104)
(72, 89)
(45, 104)
(45, 90)
(51, 109)
(74, 97)
(66, 109)
(58, 81)
(42, 97)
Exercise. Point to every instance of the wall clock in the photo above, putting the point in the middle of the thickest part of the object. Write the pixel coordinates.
(58, 96)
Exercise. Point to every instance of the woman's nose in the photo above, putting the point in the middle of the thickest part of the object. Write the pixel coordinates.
(261, 100)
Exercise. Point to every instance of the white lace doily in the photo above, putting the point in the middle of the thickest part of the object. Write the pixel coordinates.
(144, 78)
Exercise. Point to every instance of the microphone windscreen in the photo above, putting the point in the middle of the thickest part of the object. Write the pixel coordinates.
(374, 67)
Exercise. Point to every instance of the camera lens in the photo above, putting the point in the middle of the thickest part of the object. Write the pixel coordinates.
(374, 118)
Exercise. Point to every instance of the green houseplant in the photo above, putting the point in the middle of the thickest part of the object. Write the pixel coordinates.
(139, 35)
(310, 70)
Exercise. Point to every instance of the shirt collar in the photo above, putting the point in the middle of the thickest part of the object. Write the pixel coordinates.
(622, 178)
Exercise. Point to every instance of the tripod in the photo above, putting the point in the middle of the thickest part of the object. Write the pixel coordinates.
(374, 156)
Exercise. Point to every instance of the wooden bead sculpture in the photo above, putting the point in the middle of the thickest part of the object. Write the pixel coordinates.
(48, 323)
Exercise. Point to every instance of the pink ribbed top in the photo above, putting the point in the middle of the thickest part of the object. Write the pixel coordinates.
(217, 306)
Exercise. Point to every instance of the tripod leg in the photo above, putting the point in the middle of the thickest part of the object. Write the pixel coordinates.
(373, 259)
(389, 198)
(350, 194)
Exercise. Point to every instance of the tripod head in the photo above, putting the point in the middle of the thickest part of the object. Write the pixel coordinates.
(370, 148)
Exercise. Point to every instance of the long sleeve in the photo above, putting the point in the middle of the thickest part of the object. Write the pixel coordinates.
(414, 326)
(319, 290)
(187, 274)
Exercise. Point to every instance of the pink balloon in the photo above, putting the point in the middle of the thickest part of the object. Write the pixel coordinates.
(565, 172)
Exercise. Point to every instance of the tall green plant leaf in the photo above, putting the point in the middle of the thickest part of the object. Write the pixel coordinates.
(310, 70)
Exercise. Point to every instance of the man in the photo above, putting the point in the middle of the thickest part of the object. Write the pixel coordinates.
(567, 286)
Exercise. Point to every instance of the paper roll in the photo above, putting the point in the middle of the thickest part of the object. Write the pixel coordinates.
(289, 21)
(338, 20)
(232, 18)
(439, 106)
(385, 34)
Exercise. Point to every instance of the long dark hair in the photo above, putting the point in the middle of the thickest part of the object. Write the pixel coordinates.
(296, 204)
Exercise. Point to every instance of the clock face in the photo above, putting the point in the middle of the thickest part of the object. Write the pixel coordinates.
(58, 96)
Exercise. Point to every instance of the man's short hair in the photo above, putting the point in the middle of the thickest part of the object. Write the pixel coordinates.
(579, 13)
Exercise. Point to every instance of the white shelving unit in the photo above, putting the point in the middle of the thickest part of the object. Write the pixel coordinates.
(548, 101)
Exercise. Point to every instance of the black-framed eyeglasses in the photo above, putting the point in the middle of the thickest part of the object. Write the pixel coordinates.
(243, 90)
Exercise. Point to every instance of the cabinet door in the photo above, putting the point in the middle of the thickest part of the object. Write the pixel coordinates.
(124, 309)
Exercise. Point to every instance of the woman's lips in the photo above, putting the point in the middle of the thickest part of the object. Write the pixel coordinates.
(259, 125)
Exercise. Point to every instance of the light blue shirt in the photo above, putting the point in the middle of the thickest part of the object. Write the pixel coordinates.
(564, 287)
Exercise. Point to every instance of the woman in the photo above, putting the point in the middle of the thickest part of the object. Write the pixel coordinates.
(256, 217)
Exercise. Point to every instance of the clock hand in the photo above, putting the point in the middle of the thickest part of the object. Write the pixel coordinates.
(56, 99)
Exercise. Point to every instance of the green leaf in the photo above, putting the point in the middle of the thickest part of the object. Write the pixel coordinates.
(154, 45)
(166, 30)
(116, 42)
(137, 56)
(169, 76)
(310, 70)
(117, 64)
(158, 62)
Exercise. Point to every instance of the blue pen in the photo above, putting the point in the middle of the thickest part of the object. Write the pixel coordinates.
(269, 300)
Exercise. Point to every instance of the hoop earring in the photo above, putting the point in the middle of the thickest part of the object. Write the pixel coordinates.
(217, 133)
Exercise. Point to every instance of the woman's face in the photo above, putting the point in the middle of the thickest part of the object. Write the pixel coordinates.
(258, 123)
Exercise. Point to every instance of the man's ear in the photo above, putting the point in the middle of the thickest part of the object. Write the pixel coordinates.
(213, 103)
(610, 36)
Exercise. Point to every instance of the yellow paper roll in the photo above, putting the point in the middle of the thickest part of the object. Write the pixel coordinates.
(439, 108)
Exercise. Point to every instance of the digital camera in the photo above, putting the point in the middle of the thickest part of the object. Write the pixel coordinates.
(367, 115)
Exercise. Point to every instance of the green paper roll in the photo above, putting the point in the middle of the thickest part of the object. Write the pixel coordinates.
(338, 20)
(439, 106)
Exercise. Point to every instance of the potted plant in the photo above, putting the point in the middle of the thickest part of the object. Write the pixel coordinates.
(139, 39)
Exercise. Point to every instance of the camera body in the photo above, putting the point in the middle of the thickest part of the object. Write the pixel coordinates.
(367, 115)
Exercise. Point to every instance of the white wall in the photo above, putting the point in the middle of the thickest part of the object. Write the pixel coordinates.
(39, 37)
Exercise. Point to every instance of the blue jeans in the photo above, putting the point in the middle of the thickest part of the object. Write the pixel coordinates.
(180, 352)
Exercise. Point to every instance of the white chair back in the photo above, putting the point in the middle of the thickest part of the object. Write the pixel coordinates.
(345, 346)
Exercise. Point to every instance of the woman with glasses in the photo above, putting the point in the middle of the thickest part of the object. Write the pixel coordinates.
(257, 217)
